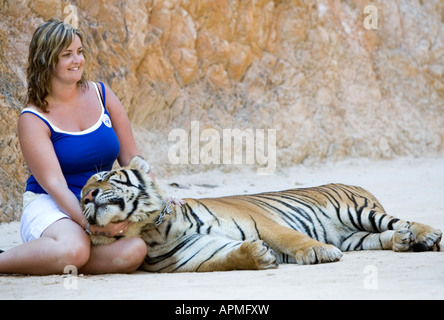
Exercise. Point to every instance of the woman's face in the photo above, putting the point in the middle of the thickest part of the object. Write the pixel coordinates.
(71, 62)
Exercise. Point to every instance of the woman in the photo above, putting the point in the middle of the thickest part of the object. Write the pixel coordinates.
(70, 129)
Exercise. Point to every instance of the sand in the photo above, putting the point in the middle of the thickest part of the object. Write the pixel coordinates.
(409, 188)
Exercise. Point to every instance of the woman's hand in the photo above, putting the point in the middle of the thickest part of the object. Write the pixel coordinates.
(176, 201)
(111, 229)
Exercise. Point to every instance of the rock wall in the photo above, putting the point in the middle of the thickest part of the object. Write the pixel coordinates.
(335, 79)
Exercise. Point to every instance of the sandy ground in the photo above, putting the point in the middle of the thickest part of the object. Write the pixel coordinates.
(412, 189)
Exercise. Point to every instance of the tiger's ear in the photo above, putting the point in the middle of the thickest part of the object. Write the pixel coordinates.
(139, 163)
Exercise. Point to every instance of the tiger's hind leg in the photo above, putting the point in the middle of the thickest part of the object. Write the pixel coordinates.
(397, 240)
(372, 228)
(426, 238)
(407, 237)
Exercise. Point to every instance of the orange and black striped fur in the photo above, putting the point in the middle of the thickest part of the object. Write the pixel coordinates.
(304, 226)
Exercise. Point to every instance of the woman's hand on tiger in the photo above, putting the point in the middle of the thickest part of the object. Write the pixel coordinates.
(111, 229)
(176, 201)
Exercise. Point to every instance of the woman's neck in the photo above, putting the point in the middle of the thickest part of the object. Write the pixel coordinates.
(62, 92)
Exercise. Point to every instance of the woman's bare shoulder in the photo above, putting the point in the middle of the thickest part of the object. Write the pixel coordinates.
(30, 121)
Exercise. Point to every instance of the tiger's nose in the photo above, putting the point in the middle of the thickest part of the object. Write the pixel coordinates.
(90, 196)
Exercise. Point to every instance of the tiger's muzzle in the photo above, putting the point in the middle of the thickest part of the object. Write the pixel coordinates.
(90, 196)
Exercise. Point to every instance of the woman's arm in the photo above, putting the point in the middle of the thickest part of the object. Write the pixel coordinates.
(39, 154)
(122, 127)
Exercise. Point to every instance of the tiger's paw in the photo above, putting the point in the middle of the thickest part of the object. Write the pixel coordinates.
(403, 240)
(318, 254)
(426, 238)
(262, 256)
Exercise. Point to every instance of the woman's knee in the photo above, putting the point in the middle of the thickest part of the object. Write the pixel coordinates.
(72, 244)
(134, 253)
(76, 253)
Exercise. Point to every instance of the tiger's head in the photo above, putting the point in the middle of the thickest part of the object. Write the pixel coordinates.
(122, 194)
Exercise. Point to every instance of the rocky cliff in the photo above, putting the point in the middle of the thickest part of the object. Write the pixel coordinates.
(334, 79)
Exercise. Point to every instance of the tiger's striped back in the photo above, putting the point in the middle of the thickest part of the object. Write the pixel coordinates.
(316, 211)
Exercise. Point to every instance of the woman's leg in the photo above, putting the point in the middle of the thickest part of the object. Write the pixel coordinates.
(122, 256)
(63, 243)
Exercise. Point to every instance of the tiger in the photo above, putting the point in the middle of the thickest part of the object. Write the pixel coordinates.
(246, 232)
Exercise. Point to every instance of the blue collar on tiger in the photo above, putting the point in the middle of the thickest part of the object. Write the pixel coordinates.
(164, 211)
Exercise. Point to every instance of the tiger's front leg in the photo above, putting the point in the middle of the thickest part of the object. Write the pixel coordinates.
(205, 253)
(250, 255)
(303, 249)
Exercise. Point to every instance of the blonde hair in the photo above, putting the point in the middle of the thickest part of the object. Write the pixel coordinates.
(48, 41)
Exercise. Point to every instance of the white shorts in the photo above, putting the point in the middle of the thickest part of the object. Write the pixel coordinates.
(39, 212)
